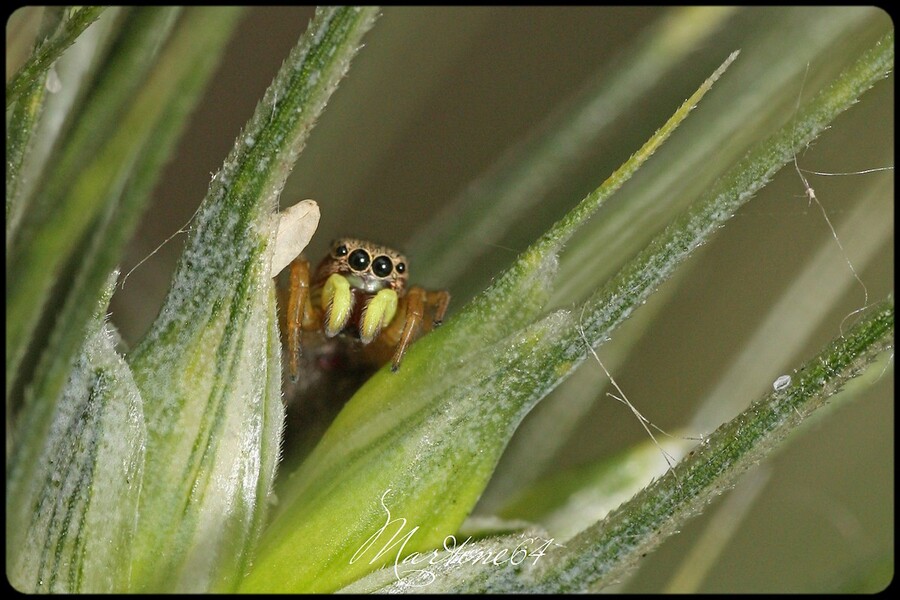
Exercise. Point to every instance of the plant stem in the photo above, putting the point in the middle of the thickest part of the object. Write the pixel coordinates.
(604, 551)
(50, 50)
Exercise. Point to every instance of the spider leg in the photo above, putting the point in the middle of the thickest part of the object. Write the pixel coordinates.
(417, 301)
(299, 312)
(439, 300)
(415, 311)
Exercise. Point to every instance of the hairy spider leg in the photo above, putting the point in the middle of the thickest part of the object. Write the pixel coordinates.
(416, 300)
(301, 314)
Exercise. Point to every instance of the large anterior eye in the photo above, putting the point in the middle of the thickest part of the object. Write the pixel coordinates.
(359, 260)
(382, 266)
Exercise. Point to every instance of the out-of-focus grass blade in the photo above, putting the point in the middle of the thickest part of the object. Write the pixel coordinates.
(50, 49)
(67, 80)
(494, 313)
(22, 121)
(759, 94)
(567, 502)
(88, 172)
(457, 236)
(442, 421)
(803, 305)
(629, 288)
(601, 554)
(762, 87)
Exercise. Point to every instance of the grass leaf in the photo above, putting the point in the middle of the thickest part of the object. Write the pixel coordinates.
(450, 411)
(50, 49)
(209, 368)
(83, 494)
(172, 88)
(452, 240)
(88, 173)
(602, 553)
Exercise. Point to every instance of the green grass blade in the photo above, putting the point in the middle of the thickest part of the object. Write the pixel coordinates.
(744, 179)
(22, 121)
(721, 529)
(19, 138)
(72, 528)
(89, 172)
(563, 501)
(454, 238)
(50, 50)
(174, 85)
(606, 550)
(209, 368)
(793, 317)
(631, 286)
(760, 93)
(194, 415)
(760, 89)
(72, 74)
(447, 415)
(546, 430)
(567, 502)
(492, 315)
(603, 312)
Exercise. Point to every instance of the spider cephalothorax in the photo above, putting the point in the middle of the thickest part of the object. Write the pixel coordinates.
(366, 266)
(359, 291)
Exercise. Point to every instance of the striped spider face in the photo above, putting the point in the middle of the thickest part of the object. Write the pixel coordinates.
(367, 267)
(359, 291)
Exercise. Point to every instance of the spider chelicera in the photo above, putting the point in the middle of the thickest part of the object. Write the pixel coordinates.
(358, 299)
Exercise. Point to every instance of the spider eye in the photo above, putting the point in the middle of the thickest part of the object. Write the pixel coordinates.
(401, 267)
(382, 266)
(359, 260)
(340, 250)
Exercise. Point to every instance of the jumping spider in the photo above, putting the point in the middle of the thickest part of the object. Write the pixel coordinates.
(358, 299)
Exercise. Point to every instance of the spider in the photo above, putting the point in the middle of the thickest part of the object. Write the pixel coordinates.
(358, 299)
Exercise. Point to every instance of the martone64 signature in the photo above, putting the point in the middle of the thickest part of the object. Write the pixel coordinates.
(358, 295)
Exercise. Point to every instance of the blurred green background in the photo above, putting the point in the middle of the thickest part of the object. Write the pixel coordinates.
(433, 100)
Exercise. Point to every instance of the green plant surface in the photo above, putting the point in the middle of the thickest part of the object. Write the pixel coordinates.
(567, 502)
(602, 553)
(490, 205)
(23, 119)
(127, 167)
(662, 189)
(783, 78)
(89, 173)
(209, 369)
(447, 422)
(50, 48)
(95, 455)
(634, 529)
(50, 103)
(206, 370)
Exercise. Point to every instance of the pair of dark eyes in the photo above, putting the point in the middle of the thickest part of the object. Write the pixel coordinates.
(359, 260)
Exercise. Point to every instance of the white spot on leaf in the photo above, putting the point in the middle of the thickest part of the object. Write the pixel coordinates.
(782, 383)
